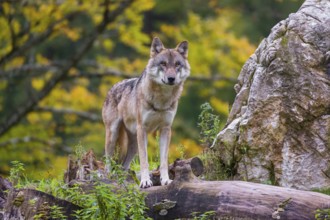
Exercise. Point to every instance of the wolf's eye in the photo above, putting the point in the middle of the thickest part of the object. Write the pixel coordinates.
(163, 63)
(177, 64)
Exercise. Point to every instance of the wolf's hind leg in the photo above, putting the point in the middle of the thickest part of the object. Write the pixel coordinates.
(131, 150)
(111, 137)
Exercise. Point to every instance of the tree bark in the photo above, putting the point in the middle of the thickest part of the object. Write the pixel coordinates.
(27, 203)
(232, 199)
(5, 186)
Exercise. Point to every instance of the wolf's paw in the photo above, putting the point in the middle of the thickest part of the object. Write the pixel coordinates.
(165, 181)
(145, 183)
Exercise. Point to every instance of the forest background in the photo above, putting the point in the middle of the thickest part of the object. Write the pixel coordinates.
(59, 58)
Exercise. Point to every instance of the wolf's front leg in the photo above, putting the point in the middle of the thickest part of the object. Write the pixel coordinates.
(143, 155)
(165, 137)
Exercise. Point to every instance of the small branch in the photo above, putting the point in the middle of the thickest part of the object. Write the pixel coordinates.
(27, 139)
(85, 115)
(106, 73)
(35, 69)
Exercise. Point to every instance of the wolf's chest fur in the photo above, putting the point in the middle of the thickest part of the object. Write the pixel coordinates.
(159, 107)
(152, 104)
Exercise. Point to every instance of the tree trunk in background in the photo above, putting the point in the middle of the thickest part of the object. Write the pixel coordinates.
(278, 129)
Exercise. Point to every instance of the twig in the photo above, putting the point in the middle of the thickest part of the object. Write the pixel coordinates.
(85, 115)
(35, 69)
(26, 139)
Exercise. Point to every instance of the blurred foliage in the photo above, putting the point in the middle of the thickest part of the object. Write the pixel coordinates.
(209, 125)
(39, 38)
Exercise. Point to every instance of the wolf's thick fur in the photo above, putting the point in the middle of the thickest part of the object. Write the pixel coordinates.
(135, 107)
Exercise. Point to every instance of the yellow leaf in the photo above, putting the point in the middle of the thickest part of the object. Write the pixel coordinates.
(16, 26)
(16, 62)
(72, 34)
(108, 44)
(33, 117)
(37, 84)
(6, 8)
(46, 116)
(41, 59)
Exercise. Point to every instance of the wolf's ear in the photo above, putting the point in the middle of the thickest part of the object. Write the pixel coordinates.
(156, 47)
(182, 48)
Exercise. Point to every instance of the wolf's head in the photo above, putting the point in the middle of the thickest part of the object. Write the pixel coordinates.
(168, 66)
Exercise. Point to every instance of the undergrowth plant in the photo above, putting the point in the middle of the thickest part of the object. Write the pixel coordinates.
(214, 169)
(121, 200)
(107, 201)
(209, 124)
(182, 152)
(322, 214)
(209, 215)
(103, 203)
(50, 212)
(16, 173)
(56, 212)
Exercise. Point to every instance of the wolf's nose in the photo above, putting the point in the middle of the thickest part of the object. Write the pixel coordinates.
(171, 79)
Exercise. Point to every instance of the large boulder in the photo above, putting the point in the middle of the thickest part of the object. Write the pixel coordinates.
(278, 129)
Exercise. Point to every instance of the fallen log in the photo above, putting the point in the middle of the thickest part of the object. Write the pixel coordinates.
(29, 204)
(244, 200)
(186, 195)
(5, 186)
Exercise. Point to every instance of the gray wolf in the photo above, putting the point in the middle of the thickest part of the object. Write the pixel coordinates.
(134, 107)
